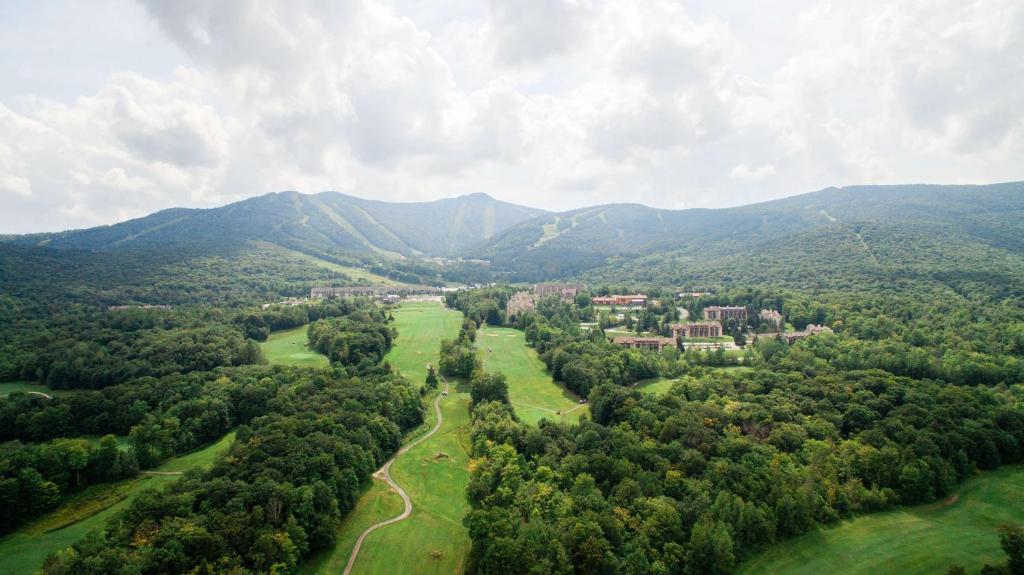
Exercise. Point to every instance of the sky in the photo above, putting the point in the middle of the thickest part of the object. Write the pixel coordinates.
(113, 109)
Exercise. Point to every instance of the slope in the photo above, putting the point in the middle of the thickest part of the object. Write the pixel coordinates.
(571, 243)
(324, 223)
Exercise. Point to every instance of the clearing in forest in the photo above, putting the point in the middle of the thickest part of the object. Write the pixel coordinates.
(291, 347)
(532, 392)
(434, 473)
(24, 550)
(921, 539)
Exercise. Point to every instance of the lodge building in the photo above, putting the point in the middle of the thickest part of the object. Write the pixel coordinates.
(519, 302)
(638, 342)
(638, 300)
(697, 329)
(722, 313)
(567, 292)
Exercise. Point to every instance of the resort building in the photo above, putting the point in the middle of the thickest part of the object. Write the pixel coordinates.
(772, 318)
(697, 329)
(812, 329)
(638, 300)
(567, 292)
(722, 313)
(520, 302)
(637, 342)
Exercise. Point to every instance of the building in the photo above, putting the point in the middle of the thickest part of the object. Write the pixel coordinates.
(697, 329)
(637, 300)
(722, 313)
(567, 292)
(520, 302)
(637, 342)
(812, 329)
(772, 318)
(352, 291)
(390, 298)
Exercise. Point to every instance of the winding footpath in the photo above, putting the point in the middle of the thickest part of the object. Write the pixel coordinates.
(384, 473)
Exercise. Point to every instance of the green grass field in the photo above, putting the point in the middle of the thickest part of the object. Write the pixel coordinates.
(291, 347)
(656, 386)
(421, 327)
(531, 390)
(9, 387)
(24, 550)
(356, 274)
(434, 473)
(922, 539)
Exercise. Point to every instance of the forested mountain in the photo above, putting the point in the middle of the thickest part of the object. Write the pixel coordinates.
(324, 223)
(571, 243)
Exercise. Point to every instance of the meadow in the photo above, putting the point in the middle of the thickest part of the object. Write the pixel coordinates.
(24, 550)
(291, 347)
(531, 390)
(9, 387)
(434, 473)
(916, 540)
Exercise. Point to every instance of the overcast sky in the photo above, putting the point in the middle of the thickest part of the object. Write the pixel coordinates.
(115, 109)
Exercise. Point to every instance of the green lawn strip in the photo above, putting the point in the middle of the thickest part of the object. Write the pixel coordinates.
(421, 327)
(917, 540)
(434, 474)
(291, 347)
(436, 485)
(24, 550)
(9, 387)
(656, 386)
(531, 390)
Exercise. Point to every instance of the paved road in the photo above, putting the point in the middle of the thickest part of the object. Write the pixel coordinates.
(385, 474)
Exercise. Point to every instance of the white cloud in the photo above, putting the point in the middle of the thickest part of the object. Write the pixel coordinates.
(554, 104)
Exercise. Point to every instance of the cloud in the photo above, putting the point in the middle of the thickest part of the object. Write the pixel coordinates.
(553, 104)
(743, 172)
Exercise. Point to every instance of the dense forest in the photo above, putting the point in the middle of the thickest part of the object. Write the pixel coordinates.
(889, 410)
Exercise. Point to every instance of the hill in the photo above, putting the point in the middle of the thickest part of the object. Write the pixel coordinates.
(612, 236)
(324, 223)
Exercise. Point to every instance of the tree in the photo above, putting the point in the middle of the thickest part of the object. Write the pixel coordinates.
(488, 387)
(431, 377)
(711, 549)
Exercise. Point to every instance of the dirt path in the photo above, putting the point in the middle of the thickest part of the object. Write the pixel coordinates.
(41, 394)
(168, 473)
(385, 474)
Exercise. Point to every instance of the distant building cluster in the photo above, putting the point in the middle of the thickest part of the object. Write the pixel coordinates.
(144, 306)
(772, 318)
(637, 300)
(519, 303)
(290, 302)
(566, 292)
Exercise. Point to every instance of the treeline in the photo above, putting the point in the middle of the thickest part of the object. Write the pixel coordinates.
(306, 443)
(279, 493)
(695, 481)
(359, 338)
(458, 356)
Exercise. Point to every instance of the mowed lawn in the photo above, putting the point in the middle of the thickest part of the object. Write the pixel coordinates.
(656, 386)
(291, 347)
(918, 540)
(421, 327)
(24, 550)
(533, 393)
(434, 473)
(9, 387)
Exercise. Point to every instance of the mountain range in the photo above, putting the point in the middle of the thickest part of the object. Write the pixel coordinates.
(523, 243)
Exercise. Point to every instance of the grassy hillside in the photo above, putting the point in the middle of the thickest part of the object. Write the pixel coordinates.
(918, 540)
